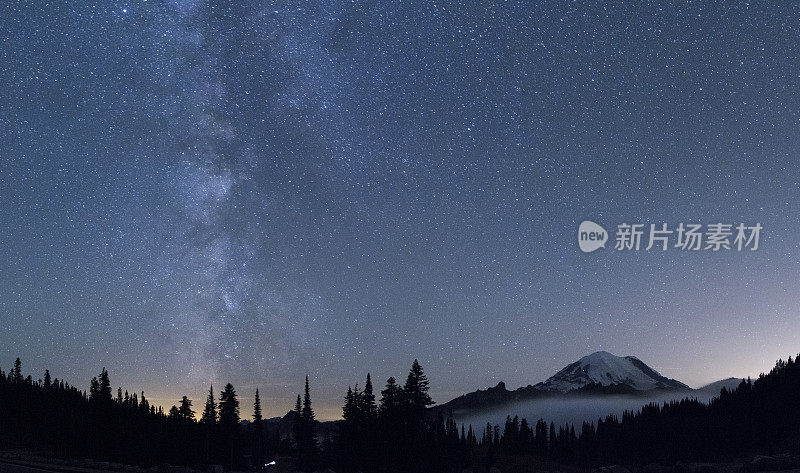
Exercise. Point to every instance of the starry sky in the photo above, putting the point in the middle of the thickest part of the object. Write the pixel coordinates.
(198, 192)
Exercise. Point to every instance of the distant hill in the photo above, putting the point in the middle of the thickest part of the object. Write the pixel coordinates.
(715, 387)
(282, 426)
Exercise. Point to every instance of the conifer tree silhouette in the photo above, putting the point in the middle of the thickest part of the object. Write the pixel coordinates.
(229, 423)
(16, 372)
(104, 387)
(257, 417)
(368, 398)
(415, 391)
(185, 412)
(209, 416)
(228, 407)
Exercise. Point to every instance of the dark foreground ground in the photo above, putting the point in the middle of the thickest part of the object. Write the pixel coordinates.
(24, 462)
(11, 468)
(19, 467)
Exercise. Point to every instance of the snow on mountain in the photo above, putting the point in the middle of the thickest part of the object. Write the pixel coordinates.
(603, 368)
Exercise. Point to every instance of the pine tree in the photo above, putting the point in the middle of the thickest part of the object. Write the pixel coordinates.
(209, 416)
(297, 422)
(228, 423)
(16, 372)
(105, 387)
(349, 409)
(257, 418)
(391, 397)
(308, 412)
(48, 383)
(94, 390)
(368, 398)
(309, 421)
(298, 406)
(416, 389)
(306, 438)
(258, 430)
(228, 407)
(144, 404)
(185, 411)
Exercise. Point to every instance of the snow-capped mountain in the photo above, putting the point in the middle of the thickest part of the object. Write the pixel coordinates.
(598, 374)
(604, 369)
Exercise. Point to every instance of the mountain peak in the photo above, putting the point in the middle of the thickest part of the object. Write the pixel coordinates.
(606, 369)
(602, 355)
(595, 374)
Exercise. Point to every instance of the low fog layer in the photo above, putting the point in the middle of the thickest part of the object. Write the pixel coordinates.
(570, 409)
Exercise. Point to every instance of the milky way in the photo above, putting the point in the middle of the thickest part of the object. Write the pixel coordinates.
(201, 192)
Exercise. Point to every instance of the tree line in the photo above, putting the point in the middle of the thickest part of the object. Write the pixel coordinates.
(49, 415)
(392, 430)
(400, 435)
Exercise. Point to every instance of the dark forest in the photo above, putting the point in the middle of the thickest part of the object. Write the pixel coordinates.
(388, 431)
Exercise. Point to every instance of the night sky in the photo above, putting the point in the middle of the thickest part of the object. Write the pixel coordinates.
(198, 192)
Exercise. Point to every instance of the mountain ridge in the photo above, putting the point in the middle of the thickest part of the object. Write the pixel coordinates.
(599, 373)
